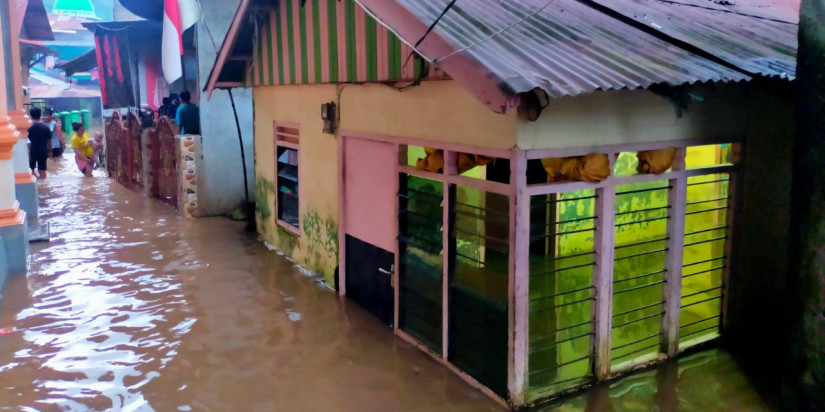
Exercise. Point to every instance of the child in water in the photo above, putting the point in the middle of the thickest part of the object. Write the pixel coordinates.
(97, 146)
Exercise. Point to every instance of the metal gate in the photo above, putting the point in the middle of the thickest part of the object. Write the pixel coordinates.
(124, 154)
(164, 163)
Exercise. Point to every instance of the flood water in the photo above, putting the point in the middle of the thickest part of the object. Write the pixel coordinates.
(704, 381)
(131, 308)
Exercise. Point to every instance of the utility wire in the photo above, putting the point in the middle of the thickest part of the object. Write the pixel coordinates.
(250, 216)
(209, 32)
(391, 30)
(429, 29)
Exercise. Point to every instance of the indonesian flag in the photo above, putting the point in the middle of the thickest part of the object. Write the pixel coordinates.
(178, 15)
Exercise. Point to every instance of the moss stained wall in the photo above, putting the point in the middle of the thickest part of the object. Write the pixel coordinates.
(438, 111)
(316, 248)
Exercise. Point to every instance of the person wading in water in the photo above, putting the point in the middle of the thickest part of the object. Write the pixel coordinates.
(83, 151)
(39, 139)
(58, 144)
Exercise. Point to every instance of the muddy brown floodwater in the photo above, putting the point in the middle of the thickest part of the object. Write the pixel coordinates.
(131, 308)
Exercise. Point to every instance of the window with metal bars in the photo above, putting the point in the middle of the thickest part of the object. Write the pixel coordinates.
(705, 257)
(561, 293)
(479, 278)
(674, 228)
(639, 267)
(421, 259)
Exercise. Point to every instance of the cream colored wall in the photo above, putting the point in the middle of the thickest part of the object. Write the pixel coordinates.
(634, 116)
(439, 111)
(317, 171)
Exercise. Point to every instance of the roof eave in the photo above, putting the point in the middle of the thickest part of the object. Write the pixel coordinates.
(226, 47)
(36, 21)
(82, 63)
(465, 70)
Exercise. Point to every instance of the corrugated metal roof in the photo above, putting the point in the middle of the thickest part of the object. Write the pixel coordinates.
(562, 46)
(85, 62)
(781, 10)
(758, 36)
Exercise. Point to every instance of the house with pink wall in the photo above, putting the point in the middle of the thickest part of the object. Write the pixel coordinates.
(539, 195)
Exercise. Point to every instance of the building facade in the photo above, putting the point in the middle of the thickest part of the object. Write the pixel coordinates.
(537, 225)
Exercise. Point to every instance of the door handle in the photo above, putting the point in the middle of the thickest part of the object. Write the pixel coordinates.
(389, 273)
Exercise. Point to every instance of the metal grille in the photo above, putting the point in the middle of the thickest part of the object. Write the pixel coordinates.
(164, 162)
(479, 278)
(642, 213)
(421, 259)
(705, 257)
(562, 258)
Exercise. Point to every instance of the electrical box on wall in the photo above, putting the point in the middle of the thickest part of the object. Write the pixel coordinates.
(329, 115)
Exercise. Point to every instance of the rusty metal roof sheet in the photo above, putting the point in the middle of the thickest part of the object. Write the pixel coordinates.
(562, 46)
(757, 36)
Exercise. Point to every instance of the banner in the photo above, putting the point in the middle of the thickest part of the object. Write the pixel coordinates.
(116, 89)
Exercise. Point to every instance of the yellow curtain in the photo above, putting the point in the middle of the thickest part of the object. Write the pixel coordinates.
(593, 168)
(434, 161)
(655, 161)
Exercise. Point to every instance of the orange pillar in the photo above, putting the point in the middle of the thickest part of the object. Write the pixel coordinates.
(9, 137)
(14, 239)
(23, 179)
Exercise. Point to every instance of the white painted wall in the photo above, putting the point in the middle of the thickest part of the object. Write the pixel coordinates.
(221, 179)
(634, 116)
(21, 156)
(7, 197)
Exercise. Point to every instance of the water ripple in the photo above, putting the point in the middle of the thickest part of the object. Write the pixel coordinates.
(131, 308)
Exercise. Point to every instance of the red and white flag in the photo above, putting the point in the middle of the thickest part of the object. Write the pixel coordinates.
(178, 15)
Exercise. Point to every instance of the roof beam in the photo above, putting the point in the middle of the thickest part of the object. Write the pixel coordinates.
(461, 67)
(225, 51)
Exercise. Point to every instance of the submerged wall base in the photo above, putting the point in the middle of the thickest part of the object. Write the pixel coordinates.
(16, 247)
(27, 196)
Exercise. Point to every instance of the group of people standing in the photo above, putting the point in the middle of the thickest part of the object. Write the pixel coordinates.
(46, 142)
(46, 138)
(184, 113)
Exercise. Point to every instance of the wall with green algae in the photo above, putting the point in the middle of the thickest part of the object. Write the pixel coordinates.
(316, 249)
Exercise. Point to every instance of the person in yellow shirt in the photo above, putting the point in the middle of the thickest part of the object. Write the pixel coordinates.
(83, 151)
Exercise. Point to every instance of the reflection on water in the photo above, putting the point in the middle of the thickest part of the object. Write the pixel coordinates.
(130, 308)
(706, 381)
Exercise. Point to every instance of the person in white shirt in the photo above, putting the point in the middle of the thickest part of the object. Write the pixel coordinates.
(58, 144)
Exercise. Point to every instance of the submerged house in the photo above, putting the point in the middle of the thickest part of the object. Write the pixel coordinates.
(540, 195)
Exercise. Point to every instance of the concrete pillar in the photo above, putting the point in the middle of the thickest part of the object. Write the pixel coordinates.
(13, 227)
(23, 179)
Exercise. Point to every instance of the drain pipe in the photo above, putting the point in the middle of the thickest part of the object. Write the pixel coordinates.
(250, 210)
(250, 213)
